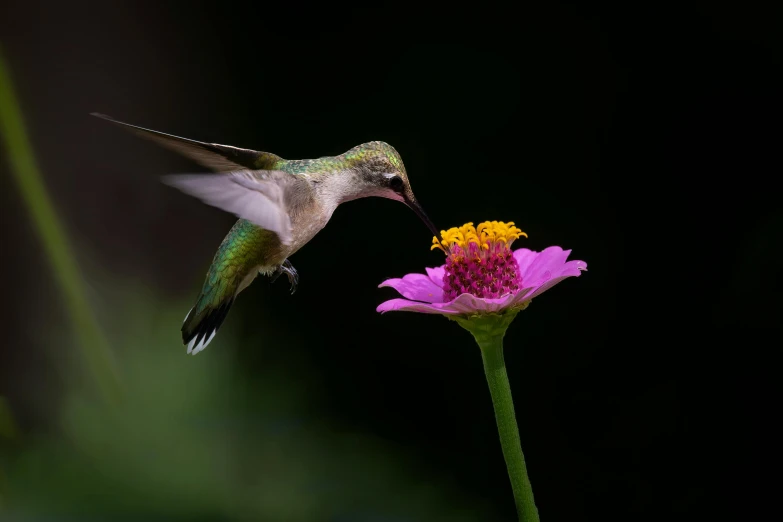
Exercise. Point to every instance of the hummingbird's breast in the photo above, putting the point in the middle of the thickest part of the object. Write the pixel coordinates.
(305, 224)
(312, 203)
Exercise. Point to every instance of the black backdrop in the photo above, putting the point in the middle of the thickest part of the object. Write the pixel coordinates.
(645, 139)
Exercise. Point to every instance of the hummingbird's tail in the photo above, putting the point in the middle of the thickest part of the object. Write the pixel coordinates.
(202, 322)
(235, 265)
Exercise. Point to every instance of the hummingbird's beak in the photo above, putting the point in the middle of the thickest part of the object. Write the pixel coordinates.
(416, 207)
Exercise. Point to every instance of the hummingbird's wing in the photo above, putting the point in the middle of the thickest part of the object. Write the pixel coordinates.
(220, 158)
(262, 197)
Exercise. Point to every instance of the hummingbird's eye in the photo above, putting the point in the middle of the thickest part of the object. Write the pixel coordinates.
(395, 183)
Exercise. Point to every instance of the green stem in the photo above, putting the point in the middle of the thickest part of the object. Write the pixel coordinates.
(94, 346)
(488, 330)
(7, 431)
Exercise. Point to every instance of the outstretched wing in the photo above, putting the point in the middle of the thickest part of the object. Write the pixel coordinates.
(263, 197)
(214, 156)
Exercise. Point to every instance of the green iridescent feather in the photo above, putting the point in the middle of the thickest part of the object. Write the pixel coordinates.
(240, 252)
(348, 159)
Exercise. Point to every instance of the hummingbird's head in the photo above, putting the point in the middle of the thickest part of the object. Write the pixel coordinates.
(382, 174)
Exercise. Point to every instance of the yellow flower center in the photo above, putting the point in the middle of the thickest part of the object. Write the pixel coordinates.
(485, 236)
(479, 260)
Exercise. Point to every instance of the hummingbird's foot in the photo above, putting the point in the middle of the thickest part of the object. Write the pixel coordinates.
(288, 269)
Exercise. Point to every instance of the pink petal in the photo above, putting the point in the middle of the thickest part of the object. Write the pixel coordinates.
(417, 287)
(403, 305)
(524, 257)
(569, 269)
(540, 267)
(470, 304)
(520, 297)
(463, 304)
(542, 270)
(436, 274)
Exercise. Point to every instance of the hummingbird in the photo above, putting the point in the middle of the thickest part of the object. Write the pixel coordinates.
(281, 205)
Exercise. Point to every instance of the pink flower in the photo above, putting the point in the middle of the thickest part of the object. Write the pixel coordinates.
(482, 287)
(482, 274)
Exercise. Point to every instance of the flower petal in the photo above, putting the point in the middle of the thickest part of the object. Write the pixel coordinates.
(436, 274)
(569, 269)
(417, 287)
(403, 305)
(540, 266)
(524, 256)
(470, 304)
(541, 271)
(520, 297)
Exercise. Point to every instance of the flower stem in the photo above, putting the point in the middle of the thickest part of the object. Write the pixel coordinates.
(488, 330)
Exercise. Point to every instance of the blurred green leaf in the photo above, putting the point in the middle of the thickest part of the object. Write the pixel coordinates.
(94, 347)
(7, 425)
(8, 430)
(196, 438)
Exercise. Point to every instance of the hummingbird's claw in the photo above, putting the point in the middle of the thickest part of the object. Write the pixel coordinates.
(288, 269)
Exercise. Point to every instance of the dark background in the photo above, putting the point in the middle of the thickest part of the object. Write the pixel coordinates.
(645, 139)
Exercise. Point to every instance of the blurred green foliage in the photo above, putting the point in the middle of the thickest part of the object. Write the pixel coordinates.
(7, 431)
(194, 440)
(92, 343)
(7, 424)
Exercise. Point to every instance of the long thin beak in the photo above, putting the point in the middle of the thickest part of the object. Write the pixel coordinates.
(414, 205)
